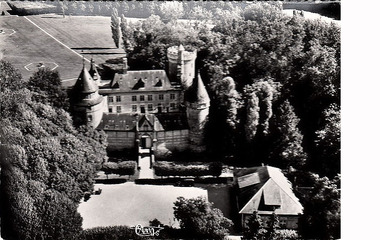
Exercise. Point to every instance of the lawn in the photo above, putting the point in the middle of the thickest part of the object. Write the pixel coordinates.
(130, 204)
(90, 36)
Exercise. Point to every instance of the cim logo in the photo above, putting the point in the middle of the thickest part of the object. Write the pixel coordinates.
(147, 231)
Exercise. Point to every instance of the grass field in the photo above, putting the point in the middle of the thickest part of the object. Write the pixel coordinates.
(90, 36)
(130, 204)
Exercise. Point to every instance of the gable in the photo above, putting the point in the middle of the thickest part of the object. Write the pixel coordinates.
(272, 196)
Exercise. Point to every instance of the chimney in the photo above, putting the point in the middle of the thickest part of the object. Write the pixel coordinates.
(125, 65)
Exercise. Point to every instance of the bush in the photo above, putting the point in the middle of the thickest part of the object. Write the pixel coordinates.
(286, 234)
(164, 168)
(121, 168)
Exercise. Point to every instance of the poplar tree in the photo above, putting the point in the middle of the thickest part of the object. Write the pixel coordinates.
(115, 27)
(287, 138)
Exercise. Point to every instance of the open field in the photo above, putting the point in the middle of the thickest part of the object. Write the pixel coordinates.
(52, 38)
(130, 204)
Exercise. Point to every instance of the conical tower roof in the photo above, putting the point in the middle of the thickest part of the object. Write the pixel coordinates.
(85, 83)
(197, 92)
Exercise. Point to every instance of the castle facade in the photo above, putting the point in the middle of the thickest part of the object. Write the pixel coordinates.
(145, 110)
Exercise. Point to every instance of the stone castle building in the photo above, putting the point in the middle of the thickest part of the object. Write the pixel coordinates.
(147, 110)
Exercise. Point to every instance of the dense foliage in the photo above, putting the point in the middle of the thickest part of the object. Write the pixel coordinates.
(324, 195)
(46, 164)
(46, 85)
(199, 219)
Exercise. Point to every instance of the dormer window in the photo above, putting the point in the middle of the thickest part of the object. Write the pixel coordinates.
(140, 84)
(158, 83)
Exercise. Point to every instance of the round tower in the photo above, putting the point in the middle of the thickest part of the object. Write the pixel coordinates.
(197, 103)
(181, 65)
(87, 104)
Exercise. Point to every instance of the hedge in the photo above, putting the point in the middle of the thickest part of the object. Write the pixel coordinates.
(121, 168)
(109, 233)
(164, 168)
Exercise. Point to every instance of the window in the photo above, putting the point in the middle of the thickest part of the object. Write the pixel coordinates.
(150, 107)
(142, 108)
(142, 98)
(134, 98)
(110, 109)
(118, 98)
(172, 96)
(110, 99)
(89, 118)
(161, 97)
(134, 108)
(172, 106)
(150, 98)
(118, 109)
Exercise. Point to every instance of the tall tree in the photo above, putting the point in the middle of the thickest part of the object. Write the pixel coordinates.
(127, 36)
(200, 220)
(115, 27)
(223, 119)
(253, 116)
(287, 138)
(328, 142)
(46, 84)
(170, 11)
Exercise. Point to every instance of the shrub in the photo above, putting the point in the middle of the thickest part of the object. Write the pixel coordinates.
(121, 168)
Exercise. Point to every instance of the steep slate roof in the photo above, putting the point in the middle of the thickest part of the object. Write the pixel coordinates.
(127, 121)
(197, 92)
(146, 80)
(173, 121)
(264, 188)
(85, 83)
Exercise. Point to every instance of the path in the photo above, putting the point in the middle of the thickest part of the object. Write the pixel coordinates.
(145, 170)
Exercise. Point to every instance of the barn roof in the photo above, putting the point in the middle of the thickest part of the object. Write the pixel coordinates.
(264, 189)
